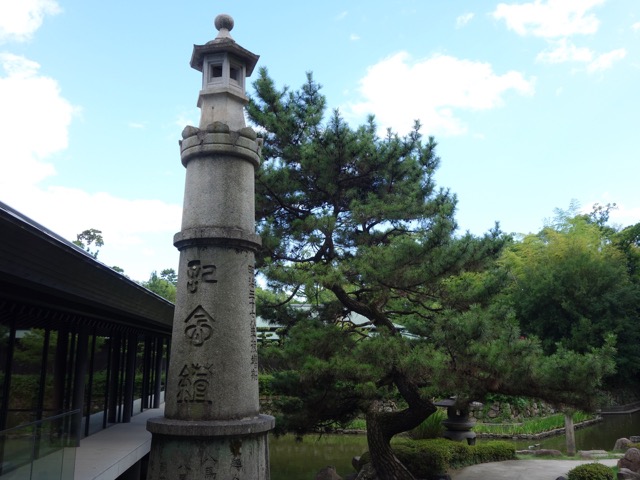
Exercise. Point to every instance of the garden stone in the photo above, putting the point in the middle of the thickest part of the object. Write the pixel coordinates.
(626, 474)
(590, 454)
(635, 438)
(622, 444)
(328, 473)
(631, 460)
(545, 452)
(367, 472)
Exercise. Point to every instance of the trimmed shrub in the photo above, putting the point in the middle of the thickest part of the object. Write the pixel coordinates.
(591, 471)
(491, 452)
(428, 458)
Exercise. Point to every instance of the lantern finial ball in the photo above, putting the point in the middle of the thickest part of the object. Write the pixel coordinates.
(223, 21)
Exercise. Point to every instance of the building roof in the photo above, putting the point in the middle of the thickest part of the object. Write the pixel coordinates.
(41, 269)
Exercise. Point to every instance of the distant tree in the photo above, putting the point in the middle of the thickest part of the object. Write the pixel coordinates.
(89, 238)
(170, 275)
(353, 223)
(600, 215)
(29, 347)
(627, 240)
(162, 285)
(571, 285)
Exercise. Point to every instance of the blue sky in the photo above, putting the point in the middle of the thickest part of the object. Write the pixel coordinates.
(533, 103)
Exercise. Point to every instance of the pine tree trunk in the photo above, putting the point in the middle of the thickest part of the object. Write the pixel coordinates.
(385, 463)
(382, 426)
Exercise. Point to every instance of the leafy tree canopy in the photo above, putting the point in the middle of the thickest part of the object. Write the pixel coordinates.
(89, 238)
(163, 284)
(571, 285)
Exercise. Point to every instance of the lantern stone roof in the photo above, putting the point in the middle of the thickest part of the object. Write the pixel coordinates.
(223, 43)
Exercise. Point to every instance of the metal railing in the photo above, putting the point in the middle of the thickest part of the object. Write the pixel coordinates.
(42, 449)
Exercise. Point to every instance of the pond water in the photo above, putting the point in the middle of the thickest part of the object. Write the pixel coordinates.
(600, 436)
(291, 460)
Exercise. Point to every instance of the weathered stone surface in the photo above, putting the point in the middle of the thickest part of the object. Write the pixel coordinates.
(631, 460)
(626, 474)
(635, 438)
(192, 458)
(545, 452)
(217, 127)
(589, 454)
(189, 131)
(367, 473)
(248, 132)
(622, 444)
(328, 473)
(208, 145)
(540, 453)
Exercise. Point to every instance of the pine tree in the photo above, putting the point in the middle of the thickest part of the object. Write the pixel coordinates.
(354, 225)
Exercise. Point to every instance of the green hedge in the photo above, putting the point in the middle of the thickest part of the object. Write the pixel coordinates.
(427, 458)
(591, 471)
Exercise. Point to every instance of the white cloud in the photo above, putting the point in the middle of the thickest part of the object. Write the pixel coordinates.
(19, 19)
(625, 216)
(564, 51)
(354, 37)
(26, 144)
(34, 128)
(550, 19)
(606, 60)
(462, 20)
(186, 118)
(636, 26)
(137, 125)
(398, 91)
(342, 15)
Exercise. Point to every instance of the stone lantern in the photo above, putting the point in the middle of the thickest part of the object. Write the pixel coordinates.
(458, 424)
(225, 65)
(212, 428)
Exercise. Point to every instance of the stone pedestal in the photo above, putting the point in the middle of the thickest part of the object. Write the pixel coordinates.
(213, 450)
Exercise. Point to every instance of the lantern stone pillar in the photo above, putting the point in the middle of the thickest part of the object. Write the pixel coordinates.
(212, 428)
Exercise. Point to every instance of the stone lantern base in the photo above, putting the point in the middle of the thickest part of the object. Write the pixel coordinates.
(209, 450)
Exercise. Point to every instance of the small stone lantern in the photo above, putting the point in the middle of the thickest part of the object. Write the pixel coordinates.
(458, 424)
